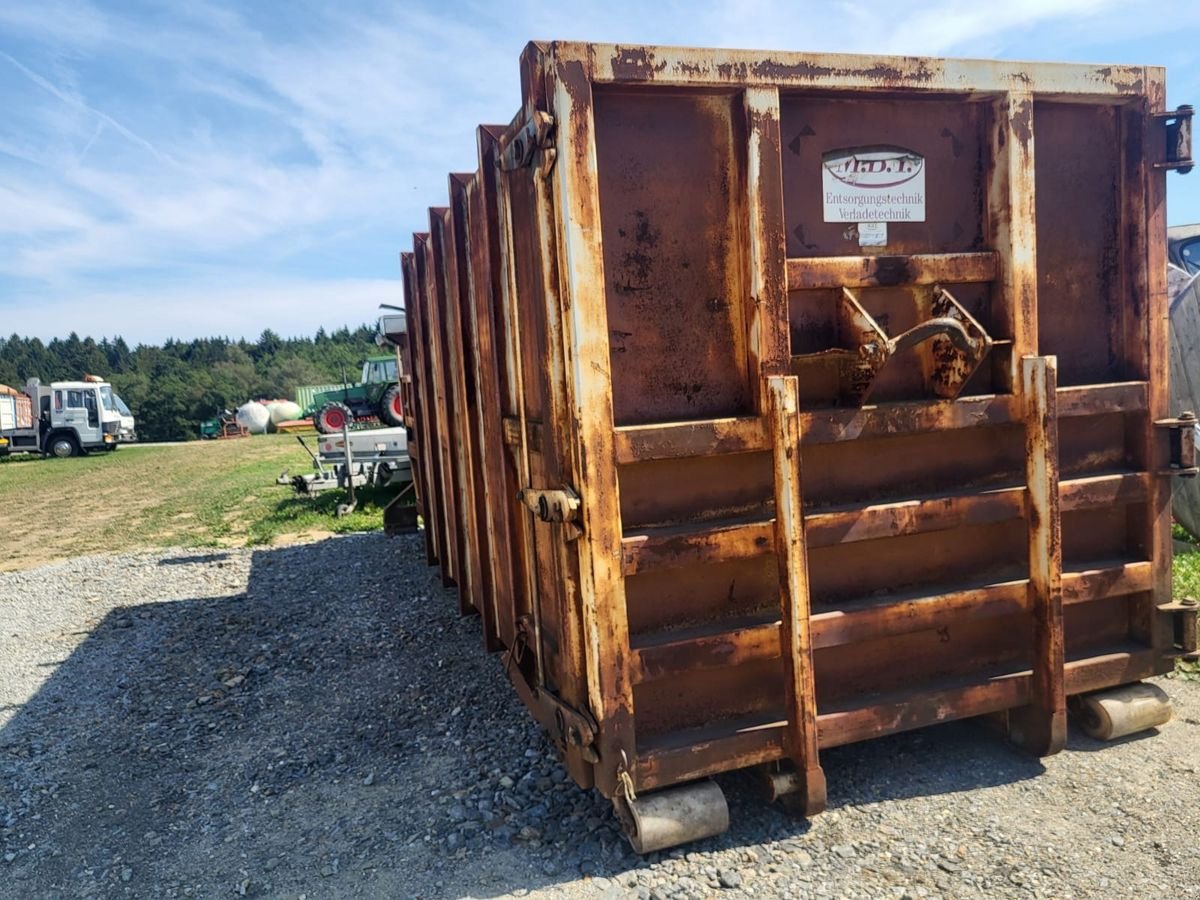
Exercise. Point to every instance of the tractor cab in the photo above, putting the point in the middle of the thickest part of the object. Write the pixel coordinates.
(379, 370)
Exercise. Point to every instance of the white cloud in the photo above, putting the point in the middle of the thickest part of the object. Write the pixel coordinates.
(939, 30)
(26, 211)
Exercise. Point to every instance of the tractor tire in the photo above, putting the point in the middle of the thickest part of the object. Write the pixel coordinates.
(331, 418)
(391, 407)
(63, 446)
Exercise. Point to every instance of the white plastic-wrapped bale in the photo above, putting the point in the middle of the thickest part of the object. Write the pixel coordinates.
(284, 411)
(254, 417)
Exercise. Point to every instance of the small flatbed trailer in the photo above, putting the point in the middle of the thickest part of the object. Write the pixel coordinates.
(354, 459)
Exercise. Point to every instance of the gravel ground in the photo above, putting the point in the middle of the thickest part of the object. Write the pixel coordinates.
(293, 723)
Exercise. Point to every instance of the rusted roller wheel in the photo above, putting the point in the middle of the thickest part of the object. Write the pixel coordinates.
(1115, 713)
(673, 816)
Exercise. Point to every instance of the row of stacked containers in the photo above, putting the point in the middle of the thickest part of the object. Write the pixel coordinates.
(730, 478)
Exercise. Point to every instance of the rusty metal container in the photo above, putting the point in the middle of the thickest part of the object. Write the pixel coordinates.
(769, 402)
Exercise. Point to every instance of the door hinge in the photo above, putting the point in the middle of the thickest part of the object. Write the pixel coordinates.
(1178, 126)
(1182, 436)
(536, 134)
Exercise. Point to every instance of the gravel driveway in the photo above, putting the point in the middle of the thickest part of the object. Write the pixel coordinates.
(316, 721)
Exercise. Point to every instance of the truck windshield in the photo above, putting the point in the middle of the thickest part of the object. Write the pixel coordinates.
(113, 402)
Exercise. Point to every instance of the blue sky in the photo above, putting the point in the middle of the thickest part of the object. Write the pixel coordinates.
(201, 168)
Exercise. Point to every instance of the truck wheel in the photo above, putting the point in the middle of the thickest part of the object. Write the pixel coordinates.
(331, 417)
(63, 446)
(391, 407)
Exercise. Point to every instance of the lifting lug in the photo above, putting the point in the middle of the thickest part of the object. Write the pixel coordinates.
(1182, 435)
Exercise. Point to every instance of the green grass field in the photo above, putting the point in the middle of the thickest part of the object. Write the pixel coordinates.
(201, 494)
(1186, 579)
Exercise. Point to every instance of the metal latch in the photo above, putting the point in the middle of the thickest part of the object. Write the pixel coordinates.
(1182, 435)
(1178, 126)
(533, 136)
(1185, 616)
(552, 506)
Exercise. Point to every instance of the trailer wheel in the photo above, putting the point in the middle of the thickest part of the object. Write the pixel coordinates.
(332, 417)
(391, 406)
(63, 446)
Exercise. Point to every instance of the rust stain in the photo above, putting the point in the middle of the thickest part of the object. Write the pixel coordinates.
(1022, 122)
(635, 64)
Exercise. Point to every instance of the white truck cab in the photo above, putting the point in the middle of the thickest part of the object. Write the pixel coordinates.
(69, 418)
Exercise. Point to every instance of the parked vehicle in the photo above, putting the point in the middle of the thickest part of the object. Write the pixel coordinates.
(223, 426)
(375, 396)
(1183, 247)
(377, 456)
(64, 418)
(767, 403)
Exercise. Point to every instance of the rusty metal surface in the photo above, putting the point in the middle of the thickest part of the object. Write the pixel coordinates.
(1078, 241)
(657, 329)
(442, 381)
(673, 263)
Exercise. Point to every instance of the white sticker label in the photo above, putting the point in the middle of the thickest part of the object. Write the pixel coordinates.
(873, 184)
(872, 234)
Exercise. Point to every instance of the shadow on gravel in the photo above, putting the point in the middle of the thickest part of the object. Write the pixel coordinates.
(193, 560)
(1078, 740)
(330, 726)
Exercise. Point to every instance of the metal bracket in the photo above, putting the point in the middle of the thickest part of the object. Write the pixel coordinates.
(1185, 616)
(959, 350)
(568, 726)
(572, 727)
(552, 506)
(958, 345)
(1182, 435)
(1178, 127)
(519, 151)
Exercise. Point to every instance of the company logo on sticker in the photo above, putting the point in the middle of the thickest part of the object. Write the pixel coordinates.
(873, 184)
(874, 167)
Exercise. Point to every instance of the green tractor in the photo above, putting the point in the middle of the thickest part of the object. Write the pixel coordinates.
(223, 425)
(377, 395)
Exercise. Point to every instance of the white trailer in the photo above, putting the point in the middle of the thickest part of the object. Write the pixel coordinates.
(377, 456)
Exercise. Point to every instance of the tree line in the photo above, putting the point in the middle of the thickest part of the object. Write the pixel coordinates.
(173, 387)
